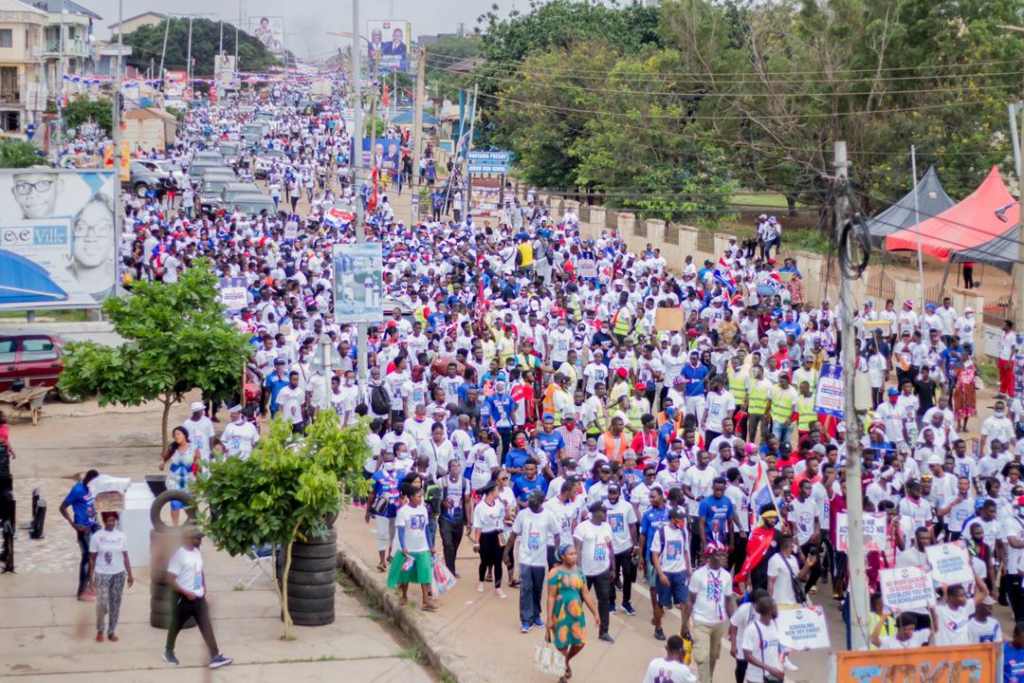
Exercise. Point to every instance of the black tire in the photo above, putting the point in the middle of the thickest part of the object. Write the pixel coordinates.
(330, 538)
(162, 500)
(65, 397)
(141, 189)
(321, 592)
(311, 552)
(300, 578)
(314, 564)
(313, 618)
(311, 605)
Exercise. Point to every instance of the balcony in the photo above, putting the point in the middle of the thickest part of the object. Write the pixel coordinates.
(10, 96)
(72, 48)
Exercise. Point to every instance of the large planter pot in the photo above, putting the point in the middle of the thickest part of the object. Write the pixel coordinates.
(311, 581)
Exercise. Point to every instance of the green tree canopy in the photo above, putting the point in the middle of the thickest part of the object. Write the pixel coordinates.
(147, 43)
(82, 110)
(177, 339)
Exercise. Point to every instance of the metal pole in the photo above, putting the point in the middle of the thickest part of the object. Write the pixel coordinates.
(116, 125)
(917, 228)
(236, 37)
(362, 349)
(188, 64)
(417, 119)
(467, 201)
(854, 493)
(1013, 110)
(221, 50)
(60, 81)
(163, 53)
(1018, 269)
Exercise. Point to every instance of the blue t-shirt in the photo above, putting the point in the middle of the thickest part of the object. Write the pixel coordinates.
(275, 384)
(652, 520)
(716, 513)
(551, 444)
(516, 457)
(1013, 663)
(386, 484)
(80, 500)
(695, 377)
(521, 486)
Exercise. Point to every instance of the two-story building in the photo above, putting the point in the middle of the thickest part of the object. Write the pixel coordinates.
(66, 45)
(22, 85)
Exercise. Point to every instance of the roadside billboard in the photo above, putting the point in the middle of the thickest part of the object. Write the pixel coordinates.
(975, 663)
(58, 247)
(224, 71)
(358, 283)
(388, 152)
(485, 195)
(389, 45)
(174, 85)
(270, 32)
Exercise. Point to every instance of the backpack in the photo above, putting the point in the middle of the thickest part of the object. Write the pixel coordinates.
(379, 401)
(434, 497)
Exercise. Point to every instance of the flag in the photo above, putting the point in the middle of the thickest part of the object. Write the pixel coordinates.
(760, 541)
(761, 492)
(384, 97)
(723, 275)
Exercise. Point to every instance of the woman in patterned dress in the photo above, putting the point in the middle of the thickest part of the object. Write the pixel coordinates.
(567, 593)
(182, 458)
(965, 398)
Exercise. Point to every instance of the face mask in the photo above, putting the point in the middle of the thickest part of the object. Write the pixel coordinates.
(570, 426)
(389, 467)
(999, 415)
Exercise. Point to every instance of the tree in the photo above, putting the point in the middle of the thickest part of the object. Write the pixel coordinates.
(82, 110)
(147, 43)
(177, 339)
(16, 153)
(287, 491)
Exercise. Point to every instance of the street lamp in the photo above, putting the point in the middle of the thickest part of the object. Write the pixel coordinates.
(1018, 270)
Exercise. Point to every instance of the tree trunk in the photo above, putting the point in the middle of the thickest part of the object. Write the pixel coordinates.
(284, 587)
(791, 203)
(168, 401)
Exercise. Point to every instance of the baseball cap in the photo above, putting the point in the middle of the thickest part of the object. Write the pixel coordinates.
(935, 460)
(197, 406)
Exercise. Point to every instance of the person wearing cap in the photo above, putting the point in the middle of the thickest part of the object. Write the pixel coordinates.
(200, 428)
(274, 383)
(187, 579)
(711, 606)
(239, 436)
(623, 521)
(537, 529)
(695, 379)
(670, 557)
(593, 540)
(109, 567)
(964, 327)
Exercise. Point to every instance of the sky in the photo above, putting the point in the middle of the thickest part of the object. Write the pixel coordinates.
(307, 21)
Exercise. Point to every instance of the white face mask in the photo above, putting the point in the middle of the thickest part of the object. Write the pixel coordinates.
(388, 467)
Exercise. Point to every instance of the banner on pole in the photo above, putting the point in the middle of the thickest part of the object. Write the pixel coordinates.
(829, 397)
(803, 628)
(905, 588)
(233, 294)
(358, 283)
(950, 563)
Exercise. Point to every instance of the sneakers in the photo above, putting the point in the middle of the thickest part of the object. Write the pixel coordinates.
(171, 659)
(219, 661)
(628, 609)
(611, 609)
(99, 637)
(538, 623)
(500, 593)
(526, 627)
(606, 638)
(480, 587)
(659, 634)
(814, 589)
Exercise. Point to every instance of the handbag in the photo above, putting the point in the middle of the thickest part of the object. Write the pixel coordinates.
(380, 505)
(798, 588)
(548, 660)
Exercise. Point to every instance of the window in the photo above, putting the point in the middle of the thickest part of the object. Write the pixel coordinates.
(6, 37)
(6, 350)
(37, 350)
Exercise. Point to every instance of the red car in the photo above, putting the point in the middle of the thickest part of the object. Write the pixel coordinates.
(30, 357)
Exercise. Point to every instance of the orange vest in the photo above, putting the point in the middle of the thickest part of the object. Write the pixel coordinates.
(549, 399)
(614, 450)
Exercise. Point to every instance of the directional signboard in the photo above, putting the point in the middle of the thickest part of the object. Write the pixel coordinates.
(496, 162)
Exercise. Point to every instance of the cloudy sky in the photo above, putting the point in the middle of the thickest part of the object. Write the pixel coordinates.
(306, 21)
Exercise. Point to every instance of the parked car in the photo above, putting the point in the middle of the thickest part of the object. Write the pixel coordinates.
(145, 176)
(30, 358)
(211, 188)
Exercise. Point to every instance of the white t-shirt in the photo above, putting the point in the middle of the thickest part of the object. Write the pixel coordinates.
(661, 670)
(488, 518)
(595, 555)
(918, 639)
(483, 459)
(951, 626)
(290, 403)
(621, 517)
(783, 593)
(989, 632)
(802, 516)
(536, 531)
(675, 556)
(710, 589)
(742, 618)
(762, 640)
(187, 566)
(566, 514)
(414, 520)
(239, 438)
(110, 547)
(718, 407)
(200, 432)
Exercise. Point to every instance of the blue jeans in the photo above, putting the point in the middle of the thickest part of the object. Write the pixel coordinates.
(781, 431)
(531, 587)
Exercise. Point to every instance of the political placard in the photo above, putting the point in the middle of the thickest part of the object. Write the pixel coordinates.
(586, 266)
(803, 628)
(388, 47)
(950, 563)
(269, 31)
(873, 524)
(906, 588)
(358, 283)
(233, 294)
(291, 229)
(829, 398)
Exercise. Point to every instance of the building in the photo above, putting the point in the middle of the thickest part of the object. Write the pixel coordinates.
(138, 21)
(22, 85)
(72, 53)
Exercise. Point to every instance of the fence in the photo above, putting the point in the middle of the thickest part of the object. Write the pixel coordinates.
(881, 287)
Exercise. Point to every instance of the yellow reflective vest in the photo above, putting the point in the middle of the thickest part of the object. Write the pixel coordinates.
(783, 402)
(759, 390)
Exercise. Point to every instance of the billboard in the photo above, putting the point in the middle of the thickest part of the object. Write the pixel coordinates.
(224, 71)
(388, 152)
(126, 159)
(358, 283)
(389, 45)
(174, 85)
(975, 663)
(58, 247)
(270, 32)
(485, 196)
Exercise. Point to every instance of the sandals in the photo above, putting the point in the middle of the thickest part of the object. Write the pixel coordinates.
(381, 567)
(429, 607)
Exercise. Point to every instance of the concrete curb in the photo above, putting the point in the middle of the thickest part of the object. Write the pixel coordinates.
(413, 624)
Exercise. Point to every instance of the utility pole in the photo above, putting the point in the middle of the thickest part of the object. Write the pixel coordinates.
(467, 201)
(362, 349)
(188, 65)
(236, 40)
(417, 119)
(60, 82)
(1018, 268)
(221, 50)
(163, 53)
(116, 124)
(858, 589)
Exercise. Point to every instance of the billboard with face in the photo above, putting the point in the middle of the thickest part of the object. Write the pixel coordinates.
(389, 45)
(270, 32)
(58, 247)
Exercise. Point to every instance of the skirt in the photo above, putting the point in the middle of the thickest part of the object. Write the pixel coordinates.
(421, 570)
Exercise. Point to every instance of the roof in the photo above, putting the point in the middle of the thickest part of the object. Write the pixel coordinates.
(18, 6)
(56, 6)
(979, 225)
(155, 15)
(464, 66)
(931, 201)
(147, 112)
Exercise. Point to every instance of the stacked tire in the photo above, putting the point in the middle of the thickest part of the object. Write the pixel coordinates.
(164, 541)
(311, 581)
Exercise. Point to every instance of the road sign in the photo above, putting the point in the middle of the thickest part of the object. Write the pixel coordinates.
(499, 169)
(499, 157)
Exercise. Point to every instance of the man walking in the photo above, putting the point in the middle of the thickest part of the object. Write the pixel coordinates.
(536, 529)
(185, 575)
(83, 521)
(711, 605)
(597, 560)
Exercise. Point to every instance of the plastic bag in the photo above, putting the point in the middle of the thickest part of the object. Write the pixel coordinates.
(548, 660)
(442, 580)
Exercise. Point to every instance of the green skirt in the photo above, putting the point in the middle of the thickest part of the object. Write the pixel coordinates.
(421, 570)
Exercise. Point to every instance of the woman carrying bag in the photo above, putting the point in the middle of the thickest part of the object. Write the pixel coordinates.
(567, 594)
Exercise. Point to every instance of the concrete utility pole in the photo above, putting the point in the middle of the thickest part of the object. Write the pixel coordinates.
(60, 82)
(116, 125)
(188, 63)
(1018, 268)
(417, 119)
(163, 53)
(467, 202)
(362, 349)
(859, 617)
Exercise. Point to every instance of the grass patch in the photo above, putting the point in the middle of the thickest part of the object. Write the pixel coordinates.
(46, 316)
(808, 239)
(412, 652)
(757, 200)
(989, 373)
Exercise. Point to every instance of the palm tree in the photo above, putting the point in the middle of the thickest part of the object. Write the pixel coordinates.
(18, 154)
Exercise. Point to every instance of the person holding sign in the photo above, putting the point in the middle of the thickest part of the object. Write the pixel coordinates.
(950, 620)
(761, 648)
(906, 636)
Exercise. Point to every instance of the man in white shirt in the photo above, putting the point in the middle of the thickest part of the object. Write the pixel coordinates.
(996, 427)
(593, 539)
(670, 556)
(200, 429)
(670, 668)
(950, 620)
(711, 605)
(1007, 358)
(761, 647)
(239, 436)
(623, 520)
(291, 402)
(537, 530)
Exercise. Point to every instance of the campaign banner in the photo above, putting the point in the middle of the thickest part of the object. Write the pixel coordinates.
(975, 663)
(950, 563)
(387, 153)
(58, 247)
(175, 84)
(291, 229)
(873, 524)
(829, 398)
(225, 74)
(358, 283)
(233, 294)
(388, 49)
(906, 588)
(270, 32)
(485, 197)
(586, 266)
(803, 629)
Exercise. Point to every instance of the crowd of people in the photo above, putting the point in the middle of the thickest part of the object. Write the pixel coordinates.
(523, 399)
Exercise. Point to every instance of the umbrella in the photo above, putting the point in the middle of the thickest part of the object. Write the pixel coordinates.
(25, 282)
